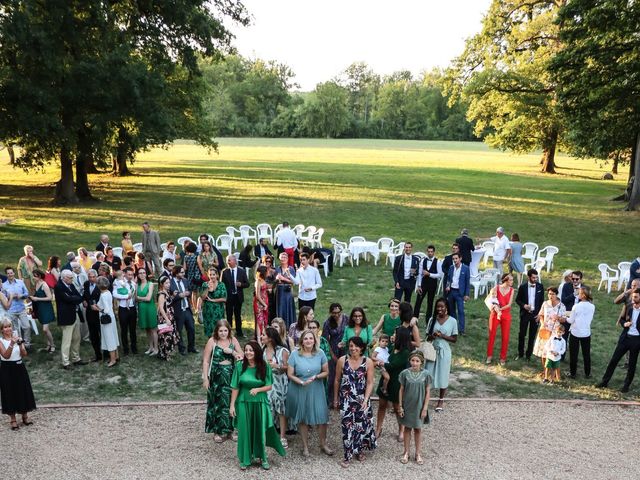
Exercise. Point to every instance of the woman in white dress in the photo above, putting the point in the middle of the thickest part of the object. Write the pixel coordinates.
(108, 331)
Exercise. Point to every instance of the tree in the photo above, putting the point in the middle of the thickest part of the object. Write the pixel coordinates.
(503, 74)
(75, 76)
(325, 114)
(598, 72)
(362, 84)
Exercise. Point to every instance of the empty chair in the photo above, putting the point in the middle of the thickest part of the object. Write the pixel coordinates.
(276, 231)
(137, 247)
(342, 252)
(490, 277)
(385, 244)
(117, 251)
(547, 254)
(479, 284)
(396, 251)
(298, 229)
(306, 235)
(316, 241)
(211, 238)
(264, 230)
(325, 264)
(529, 251)
(608, 275)
(181, 241)
(357, 238)
(248, 233)
(624, 270)
(488, 251)
(225, 242)
(235, 234)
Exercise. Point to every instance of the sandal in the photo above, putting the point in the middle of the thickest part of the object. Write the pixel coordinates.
(233, 436)
(419, 460)
(26, 421)
(439, 406)
(243, 467)
(489, 360)
(217, 439)
(361, 457)
(14, 425)
(284, 442)
(305, 453)
(405, 458)
(327, 451)
(344, 464)
(265, 465)
(400, 438)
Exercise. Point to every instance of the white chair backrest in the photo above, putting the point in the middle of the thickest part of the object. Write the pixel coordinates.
(605, 270)
(622, 266)
(181, 241)
(264, 231)
(399, 248)
(298, 229)
(529, 249)
(357, 238)
(117, 251)
(421, 255)
(276, 230)
(548, 252)
(137, 247)
(385, 244)
(224, 242)
(488, 246)
(211, 238)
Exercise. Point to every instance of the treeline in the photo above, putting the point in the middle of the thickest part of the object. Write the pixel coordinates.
(253, 98)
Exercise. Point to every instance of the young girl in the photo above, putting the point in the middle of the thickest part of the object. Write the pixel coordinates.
(414, 400)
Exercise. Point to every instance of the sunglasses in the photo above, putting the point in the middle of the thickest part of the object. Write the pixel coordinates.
(575, 279)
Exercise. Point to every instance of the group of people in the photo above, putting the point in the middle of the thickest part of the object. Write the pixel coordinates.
(286, 380)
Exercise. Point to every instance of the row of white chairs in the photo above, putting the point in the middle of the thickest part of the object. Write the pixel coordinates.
(610, 275)
(537, 257)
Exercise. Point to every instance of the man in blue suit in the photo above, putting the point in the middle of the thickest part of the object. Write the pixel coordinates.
(634, 271)
(458, 288)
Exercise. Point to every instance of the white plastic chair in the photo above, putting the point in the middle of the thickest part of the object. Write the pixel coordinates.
(137, 247)
(488, 251)
(316, 241)
(211, 238)
(608, 275)
(306, 235)
(325, 264)
(396, 251)
(624, 269)
(298, 229)
(357, 238)
(235, 234)
(181, 241)
(479, 285)
(276, 231)
(225, 242)
(117, 251)
(490, 277)
(264, 231)
(385, 244)
(547, 254)
(248, 233)
(538, 265)
(341, 251)
(421, 255)
(529, 251)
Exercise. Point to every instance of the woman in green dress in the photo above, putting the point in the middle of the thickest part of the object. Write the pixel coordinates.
(220, 353)
(252, 379)
(397, 362)
(43, 307)
(147, 311)
(213, 295)
(389, 321)
(442, 330)
(358, 326)
(413, 398)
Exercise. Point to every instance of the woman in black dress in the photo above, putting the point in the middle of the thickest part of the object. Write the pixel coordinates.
(16, 394)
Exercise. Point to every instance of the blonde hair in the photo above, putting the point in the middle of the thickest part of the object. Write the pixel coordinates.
(4, 321)
(282, 328)
(26, 248)
(315, 341)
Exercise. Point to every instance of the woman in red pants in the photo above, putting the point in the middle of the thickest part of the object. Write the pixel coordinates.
(499, 300)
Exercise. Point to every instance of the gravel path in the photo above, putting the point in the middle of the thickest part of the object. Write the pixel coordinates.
(469, 440)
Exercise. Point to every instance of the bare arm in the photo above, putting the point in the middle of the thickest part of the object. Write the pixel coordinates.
(370, 377)
(427, 393)
(336, 382)
(379, 325)
(206, 359)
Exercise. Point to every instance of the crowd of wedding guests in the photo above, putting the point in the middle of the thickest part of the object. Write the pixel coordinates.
(296, 368)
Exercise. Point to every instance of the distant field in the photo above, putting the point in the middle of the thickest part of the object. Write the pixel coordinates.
(422, 191)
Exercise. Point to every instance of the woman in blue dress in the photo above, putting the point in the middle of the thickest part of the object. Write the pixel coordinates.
(516, 264)
(442, 329)
(306, 397)
(286, 278)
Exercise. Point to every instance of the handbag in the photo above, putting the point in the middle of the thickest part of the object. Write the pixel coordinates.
(544, 334)
(427, 348)
(105, 319)
(165, 328)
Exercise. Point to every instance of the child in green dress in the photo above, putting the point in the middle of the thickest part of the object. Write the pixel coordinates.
(415, 384)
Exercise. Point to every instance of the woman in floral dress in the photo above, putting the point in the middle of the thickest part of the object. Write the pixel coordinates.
(213, 295)
(551, 312)
(167, 335)
(260, 302)
(354, 382)
(218, 359)
(277, 356)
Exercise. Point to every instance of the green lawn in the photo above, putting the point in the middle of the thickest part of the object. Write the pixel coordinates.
(422, 191)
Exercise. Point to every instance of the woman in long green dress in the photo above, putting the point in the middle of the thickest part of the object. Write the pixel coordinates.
(42, 305)
(443, 331)
(213, 296)
(413, 397)
(220, 353)
(389, 321)
(252, 379)
(147, 311)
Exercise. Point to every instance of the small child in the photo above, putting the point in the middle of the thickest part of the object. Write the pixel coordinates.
(380, 356)
(554, 349)
(119, 285)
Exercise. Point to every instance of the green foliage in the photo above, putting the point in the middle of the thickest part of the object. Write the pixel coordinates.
(325, 114)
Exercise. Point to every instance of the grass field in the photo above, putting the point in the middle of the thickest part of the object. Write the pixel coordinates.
(422, 191)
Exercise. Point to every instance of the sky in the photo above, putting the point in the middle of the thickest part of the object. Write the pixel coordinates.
(319, 39)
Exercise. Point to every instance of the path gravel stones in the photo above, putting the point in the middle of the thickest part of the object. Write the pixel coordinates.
(469, 440)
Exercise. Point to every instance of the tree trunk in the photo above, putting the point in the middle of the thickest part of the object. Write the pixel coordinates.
(91, 167)
(549, 154)
(120, 168)
(12, 154)
(614, 168)
(634, 198)
(83, 159)
(65, 193)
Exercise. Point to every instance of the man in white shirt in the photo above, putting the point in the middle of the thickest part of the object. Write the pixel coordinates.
(169, 252)
(629, 341)
(287, 239)
(309, 281)
(430, 273)
(127, 315)
(501, 249)
(405, 273)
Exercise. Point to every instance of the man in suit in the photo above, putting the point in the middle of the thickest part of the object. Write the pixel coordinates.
(182, 311)
(529, 298)
(167, 267)
(634, 271)
(91, 296)
(103, 244)
(151, 246)
(261, 249)
(458, 288)
(430, 273)
(629, 341)
(127, 314)
(235, 280)
(67, 301)
(446, 265)
(405, 273)
(466, 246)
